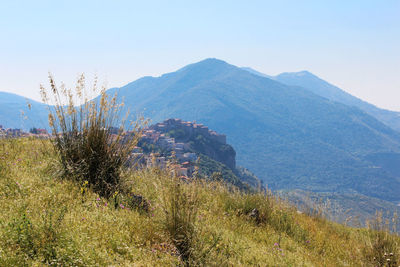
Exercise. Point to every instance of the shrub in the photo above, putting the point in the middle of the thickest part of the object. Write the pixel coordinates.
(181, 205)
(89, 146)
(180, 216)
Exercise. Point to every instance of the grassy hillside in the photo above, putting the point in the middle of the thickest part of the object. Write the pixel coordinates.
(45, 220)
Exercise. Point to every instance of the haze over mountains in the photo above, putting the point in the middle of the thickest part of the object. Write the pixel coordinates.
(15, 113)
(292, 132)
(320, 87)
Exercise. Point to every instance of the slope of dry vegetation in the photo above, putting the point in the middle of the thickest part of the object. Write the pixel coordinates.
(48, 220)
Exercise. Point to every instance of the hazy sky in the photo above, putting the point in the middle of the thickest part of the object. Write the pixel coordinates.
(352, 44)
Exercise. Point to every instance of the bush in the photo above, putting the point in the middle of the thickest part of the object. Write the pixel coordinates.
(89, 147)
(180, 216)
(181, 212)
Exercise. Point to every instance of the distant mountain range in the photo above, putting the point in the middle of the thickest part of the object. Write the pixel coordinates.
(322, 88)
(288, 131)
(15, 112)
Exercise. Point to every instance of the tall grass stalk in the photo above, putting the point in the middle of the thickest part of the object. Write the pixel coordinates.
(181, 208)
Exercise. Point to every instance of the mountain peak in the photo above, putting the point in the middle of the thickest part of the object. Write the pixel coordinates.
(303, 73)
(207, 68)
(212, 60)
(207, 63)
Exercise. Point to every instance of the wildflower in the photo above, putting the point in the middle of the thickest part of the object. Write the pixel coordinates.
(308, 241)
(122, 206)
(98, 199)
(105, 204)
(276, 245)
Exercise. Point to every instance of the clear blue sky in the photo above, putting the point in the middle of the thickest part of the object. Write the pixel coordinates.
(352, 44)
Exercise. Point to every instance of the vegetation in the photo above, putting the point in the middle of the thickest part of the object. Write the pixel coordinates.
(49, 221)
(88, 147)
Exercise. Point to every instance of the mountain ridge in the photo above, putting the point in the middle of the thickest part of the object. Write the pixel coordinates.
(15, 112)
(325, 89)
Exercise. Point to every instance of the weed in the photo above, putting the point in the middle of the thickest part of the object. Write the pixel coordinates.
(42, 240)
(382, 248)
(181, 206)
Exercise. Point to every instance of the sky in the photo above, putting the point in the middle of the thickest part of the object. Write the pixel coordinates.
(352, 44)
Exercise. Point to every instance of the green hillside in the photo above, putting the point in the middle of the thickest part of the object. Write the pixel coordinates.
(53, 222)
(320, 87)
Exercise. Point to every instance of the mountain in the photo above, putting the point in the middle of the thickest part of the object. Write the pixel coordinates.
(322, 88)
(15, 113)
(290, 137)
(253, 71)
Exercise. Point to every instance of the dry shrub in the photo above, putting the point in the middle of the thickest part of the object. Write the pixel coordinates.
(90, 149)
(181, 206)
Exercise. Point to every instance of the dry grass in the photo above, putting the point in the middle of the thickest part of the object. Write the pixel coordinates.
(47, 221)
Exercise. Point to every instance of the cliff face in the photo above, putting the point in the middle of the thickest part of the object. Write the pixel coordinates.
(199, 139)
(223, 153)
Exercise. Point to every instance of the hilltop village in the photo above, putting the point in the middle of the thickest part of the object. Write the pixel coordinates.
(14, 133)
(172, 141)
